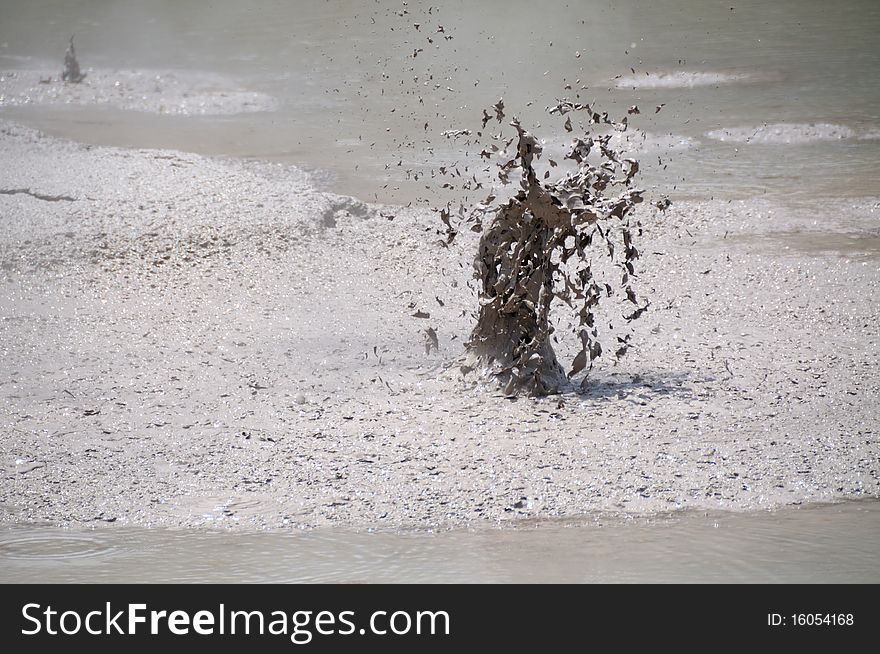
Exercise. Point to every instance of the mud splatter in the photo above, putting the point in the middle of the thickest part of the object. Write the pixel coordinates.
(538, 246)
(71, 72)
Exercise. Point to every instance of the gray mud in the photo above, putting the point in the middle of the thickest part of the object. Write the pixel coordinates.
(682, 79)
(190, 341)
(790, 133)
(173, 93)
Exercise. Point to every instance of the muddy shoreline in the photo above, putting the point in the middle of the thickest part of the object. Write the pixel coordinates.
(199, 342)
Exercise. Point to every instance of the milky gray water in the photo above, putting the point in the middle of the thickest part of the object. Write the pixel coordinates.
(356, 82)
(832, 543)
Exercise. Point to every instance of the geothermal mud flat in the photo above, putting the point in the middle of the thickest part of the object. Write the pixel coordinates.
(190, 341)
(161, 92)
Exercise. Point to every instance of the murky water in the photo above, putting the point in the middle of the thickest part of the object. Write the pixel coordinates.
(357, 82)
(830, 543)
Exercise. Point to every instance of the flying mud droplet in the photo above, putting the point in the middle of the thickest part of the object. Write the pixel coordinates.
(431, 340)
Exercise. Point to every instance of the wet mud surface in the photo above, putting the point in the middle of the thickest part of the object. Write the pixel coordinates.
(190, 341)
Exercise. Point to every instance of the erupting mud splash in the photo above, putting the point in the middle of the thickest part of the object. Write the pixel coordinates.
(538, 243)
(71, 71)
(537, 248)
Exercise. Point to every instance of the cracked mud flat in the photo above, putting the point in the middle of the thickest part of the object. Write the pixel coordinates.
(198, 342)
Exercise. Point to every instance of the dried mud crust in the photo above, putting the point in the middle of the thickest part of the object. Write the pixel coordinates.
(197, 342)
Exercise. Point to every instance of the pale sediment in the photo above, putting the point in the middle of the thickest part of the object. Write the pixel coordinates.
(790, 133)
(174, 93)
(683, 79)
(194, 341)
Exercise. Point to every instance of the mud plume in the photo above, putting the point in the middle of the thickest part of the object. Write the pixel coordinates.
(539, 247)
(71, 72)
